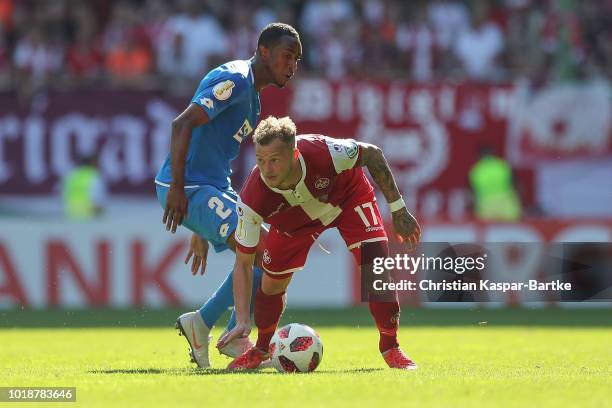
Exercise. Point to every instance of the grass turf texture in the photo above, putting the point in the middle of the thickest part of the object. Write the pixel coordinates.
(519, 358)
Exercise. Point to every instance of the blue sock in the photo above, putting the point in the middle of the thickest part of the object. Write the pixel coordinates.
(223, 298)
(257, 274)
(218, 303)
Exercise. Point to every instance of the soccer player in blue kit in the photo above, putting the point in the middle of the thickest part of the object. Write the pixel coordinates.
(193, 185)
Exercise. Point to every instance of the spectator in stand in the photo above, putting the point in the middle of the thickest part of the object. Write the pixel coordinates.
(341, 55)
(419, 43)
(524, 53)
(378, 38)
(84, 58)
(449, 18)
(7, 8)
(131, 63)
(69, 41)
(190, 43)
(6, 72)
(317, 21)
(263, 14)
(155, 15)
(37, 62)
(120, 26)
(561, 39)
(479, 47)
(597, 31)
(242, 37)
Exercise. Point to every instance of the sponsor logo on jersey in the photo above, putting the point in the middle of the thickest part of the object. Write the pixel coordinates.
(337, 148)
(208, 103)
(244, 131)
(266, 257)
(351, 150)
(322, 183)
(223, 90)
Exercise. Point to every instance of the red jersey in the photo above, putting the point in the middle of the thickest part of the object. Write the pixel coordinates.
(331, 178)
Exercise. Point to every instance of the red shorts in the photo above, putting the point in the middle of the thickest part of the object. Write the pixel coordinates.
(359, 222)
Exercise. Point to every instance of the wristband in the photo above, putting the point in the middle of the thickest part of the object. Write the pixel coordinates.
(397, 204)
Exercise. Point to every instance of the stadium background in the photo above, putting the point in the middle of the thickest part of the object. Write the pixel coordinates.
(430, 82)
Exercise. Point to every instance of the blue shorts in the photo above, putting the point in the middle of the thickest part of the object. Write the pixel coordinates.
(211, 213)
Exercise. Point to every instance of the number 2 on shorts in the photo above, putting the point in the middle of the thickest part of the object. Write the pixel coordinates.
(216, 204)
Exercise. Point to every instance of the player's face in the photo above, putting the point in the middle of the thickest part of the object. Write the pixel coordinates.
(274, 162)
(282, 60)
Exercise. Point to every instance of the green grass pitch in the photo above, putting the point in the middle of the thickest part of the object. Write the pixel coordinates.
(544, 358)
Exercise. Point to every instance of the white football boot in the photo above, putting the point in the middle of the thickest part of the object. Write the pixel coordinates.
(238, 347)
(198, 336)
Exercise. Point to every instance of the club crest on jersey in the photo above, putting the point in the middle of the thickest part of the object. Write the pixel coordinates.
(351, 150)
(244, 131)
(266, 257)
(321, 183)
(223, 90)
(207, 102)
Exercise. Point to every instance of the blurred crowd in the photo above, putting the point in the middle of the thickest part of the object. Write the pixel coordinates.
(169, 45)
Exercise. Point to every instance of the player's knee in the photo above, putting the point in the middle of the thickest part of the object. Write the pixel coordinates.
(372, 250)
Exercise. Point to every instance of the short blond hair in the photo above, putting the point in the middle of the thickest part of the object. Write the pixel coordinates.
(273, 128)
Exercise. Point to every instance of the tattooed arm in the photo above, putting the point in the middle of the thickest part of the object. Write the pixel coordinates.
(406, 226)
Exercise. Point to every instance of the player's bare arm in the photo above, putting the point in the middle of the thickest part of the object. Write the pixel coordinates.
(406, 226)
(176, 201)
(198, 250)
(243, 282)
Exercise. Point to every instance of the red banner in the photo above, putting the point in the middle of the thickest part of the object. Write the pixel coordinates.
(431, 134)
(571, 121)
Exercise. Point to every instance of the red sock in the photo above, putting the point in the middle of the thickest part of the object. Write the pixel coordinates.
(386, 315)
(268, 310)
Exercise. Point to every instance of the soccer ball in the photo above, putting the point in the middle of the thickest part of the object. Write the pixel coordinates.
(296, 348)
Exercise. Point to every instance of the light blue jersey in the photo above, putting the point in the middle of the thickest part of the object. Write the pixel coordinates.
(228, 95)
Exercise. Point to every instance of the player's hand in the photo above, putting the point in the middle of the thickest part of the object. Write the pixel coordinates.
(198, 248)
(407, 228)
(176, 208)
(240, 330)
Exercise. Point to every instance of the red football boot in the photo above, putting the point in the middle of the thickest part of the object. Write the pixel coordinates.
(396, 358)
(249, 360)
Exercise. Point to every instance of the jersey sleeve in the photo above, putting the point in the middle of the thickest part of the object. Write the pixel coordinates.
(345, 153)
(219, 92)
(248, 228)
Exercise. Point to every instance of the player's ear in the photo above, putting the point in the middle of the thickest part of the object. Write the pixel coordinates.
(296, 153)
(264, 52)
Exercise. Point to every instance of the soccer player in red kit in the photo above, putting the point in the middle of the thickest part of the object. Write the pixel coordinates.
(302, 186)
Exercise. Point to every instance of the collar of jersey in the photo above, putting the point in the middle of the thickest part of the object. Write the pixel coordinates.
(251, 73)
(276, 190)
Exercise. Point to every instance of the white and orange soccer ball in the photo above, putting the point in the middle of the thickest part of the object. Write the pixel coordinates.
(296, 348)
